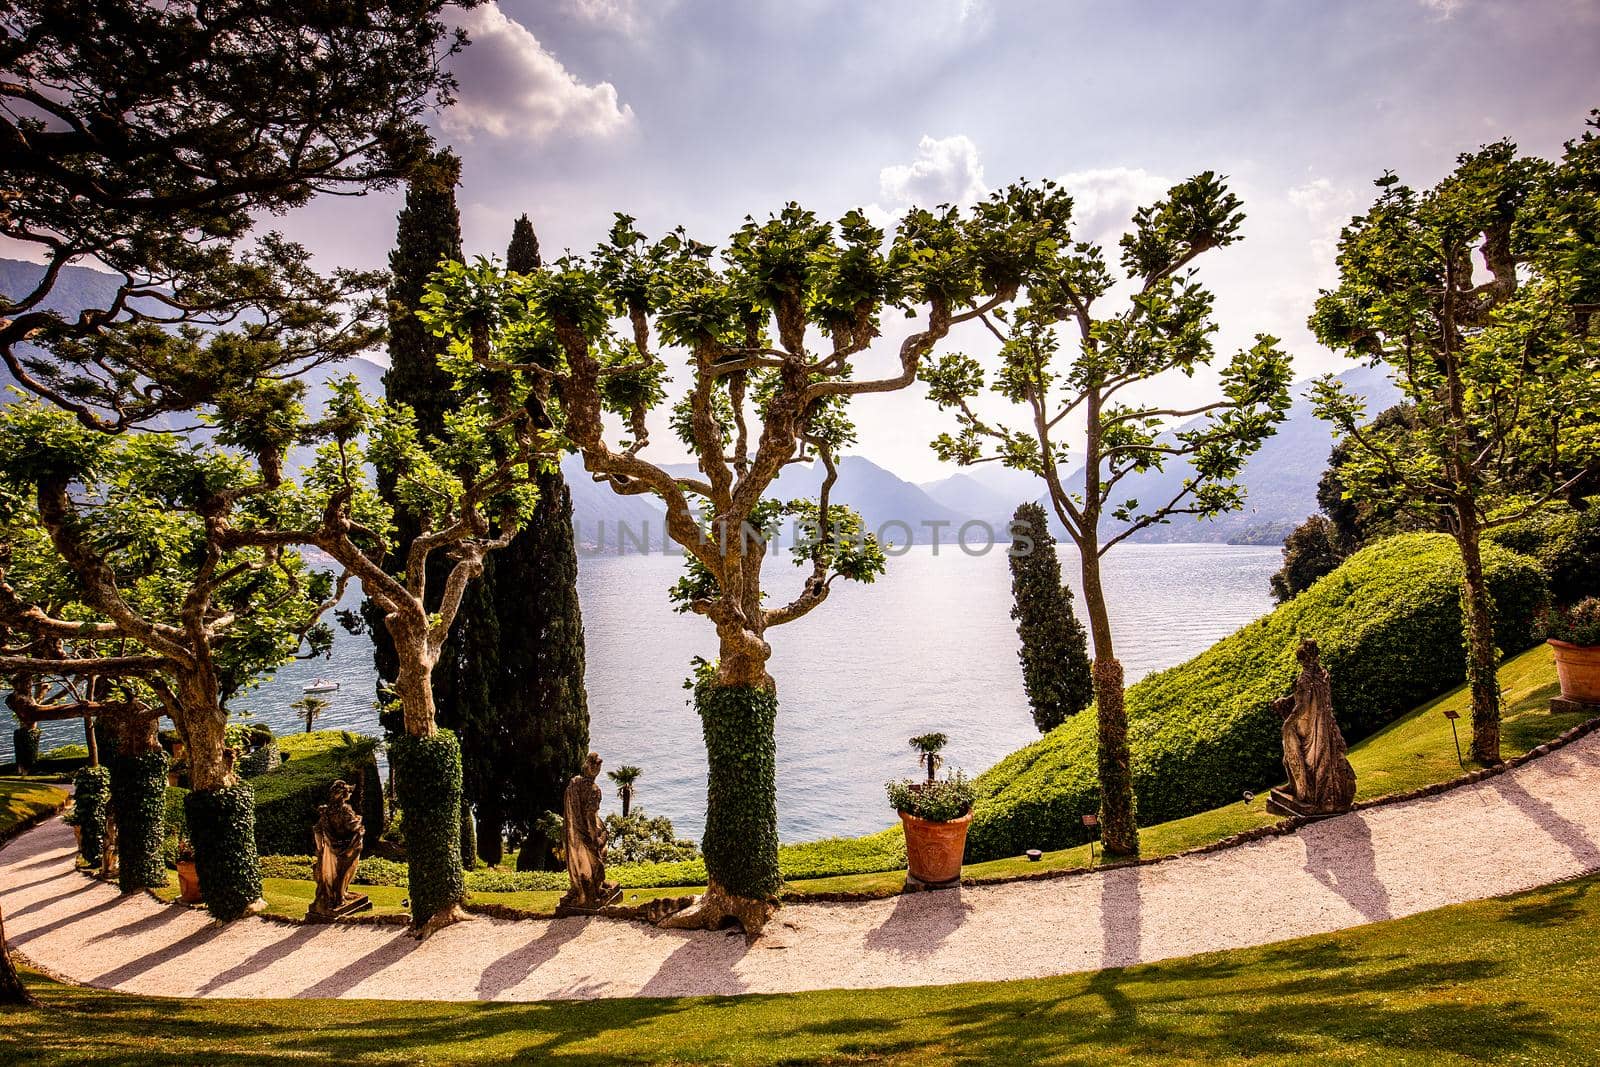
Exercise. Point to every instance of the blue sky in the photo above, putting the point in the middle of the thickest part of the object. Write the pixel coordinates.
(701, 113)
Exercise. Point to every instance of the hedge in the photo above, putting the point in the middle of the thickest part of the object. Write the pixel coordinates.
(1388, 622)
(222, 830)
(741, 836)
(91, 806)
(138, 803)
(427, 781)
(1566, 542)
(25, 743)
(287, 798)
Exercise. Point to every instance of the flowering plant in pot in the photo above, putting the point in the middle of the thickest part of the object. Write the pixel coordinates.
(188, 875)
(1574, 636)
(936, 814)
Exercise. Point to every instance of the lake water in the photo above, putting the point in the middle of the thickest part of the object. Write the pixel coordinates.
(929, 646)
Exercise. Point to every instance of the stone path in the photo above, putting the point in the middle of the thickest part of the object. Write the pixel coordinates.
(1536, 824)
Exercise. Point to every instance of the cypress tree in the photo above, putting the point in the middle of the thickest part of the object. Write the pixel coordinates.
(510, 681)
(1054, 653)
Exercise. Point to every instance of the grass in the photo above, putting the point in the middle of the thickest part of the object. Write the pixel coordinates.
(23, 799)
(1504, 981)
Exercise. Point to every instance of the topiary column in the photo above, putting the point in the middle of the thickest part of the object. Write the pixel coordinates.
(741, 838)
(138, 803)
(222, 829)
(427, 775)
(25, 743)
(91, 802)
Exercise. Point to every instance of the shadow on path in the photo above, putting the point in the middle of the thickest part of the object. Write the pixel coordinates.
(25, 936)
(45, 902)
(702, 965)
(259, 961)
(1339, 855)
(514, 967)
(1562, 830)
(346, 978)
(162, 954)
(919, 923)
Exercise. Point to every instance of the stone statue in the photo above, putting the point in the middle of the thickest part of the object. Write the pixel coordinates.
(339, 834)
(1321, 780)
(585, 835)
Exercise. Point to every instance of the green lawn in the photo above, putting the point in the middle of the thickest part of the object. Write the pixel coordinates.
(22, 799)
(1502, 981)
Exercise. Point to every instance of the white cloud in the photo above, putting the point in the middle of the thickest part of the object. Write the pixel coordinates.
(1443, 8)
(947, 170)
(1327, 208)
(1104, 199)
(620, 16)
(512, 87)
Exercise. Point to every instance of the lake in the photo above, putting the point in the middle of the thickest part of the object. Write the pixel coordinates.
(929, 646)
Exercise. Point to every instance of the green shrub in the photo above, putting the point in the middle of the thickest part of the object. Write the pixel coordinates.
(66, 752)
(138, 803)
(258, 762)
(91, 807)
(1388, 622)
(25, 745)
(222, 830)
(641, 838)
(427, 782)
(937, 801)
(287, 797)
(1566, 542)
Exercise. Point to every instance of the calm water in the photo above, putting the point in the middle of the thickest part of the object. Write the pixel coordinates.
(930, 646)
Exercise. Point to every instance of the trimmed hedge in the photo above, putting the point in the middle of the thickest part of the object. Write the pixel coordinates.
(287, 798)
(741, 838)
(1566, 542)
(1388, 622)
(261, 760)
(138, 803)
(25, 743)
(427, 781)
(222, 831)
(91, 807)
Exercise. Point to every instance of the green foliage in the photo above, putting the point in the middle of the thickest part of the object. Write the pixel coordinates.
(1054, 646)
(65, 752)
(261, 760)
(1576, 625)
(138, 803)
(1388, 623)
(1566, 542)
(91, 807)
(287, 797)
(221, 824)
(428, 785)
(638, 838)
(25, 743)
(936, 801)
(741, 836)
(1309, 552)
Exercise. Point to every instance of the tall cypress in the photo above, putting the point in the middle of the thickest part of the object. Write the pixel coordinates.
(510, 680)
(1055, 649)
(428, 232)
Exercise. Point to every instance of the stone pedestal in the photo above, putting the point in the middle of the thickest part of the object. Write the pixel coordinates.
(1563, 706)
(353, 905)
(1281, 803)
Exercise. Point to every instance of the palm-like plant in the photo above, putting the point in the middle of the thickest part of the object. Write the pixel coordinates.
(928, 746)
(308, 708)
(625, 777)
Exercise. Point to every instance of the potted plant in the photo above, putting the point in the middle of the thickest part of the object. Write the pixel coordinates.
(1574, 636)
(188, 876)
(936, 814)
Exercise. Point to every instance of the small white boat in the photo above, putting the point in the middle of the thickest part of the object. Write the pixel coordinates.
(321, 685)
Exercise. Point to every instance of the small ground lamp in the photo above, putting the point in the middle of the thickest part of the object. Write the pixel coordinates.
(1090, 822)
(1453, 716)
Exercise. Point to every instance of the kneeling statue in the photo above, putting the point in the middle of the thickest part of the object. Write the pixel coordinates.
(1321, 780)
(585, 834)
(339, 833)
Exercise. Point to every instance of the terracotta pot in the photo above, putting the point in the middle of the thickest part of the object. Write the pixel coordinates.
(1578, 667)
(189, 883)
(934, 849)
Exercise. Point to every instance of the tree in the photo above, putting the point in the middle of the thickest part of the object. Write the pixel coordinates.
(148, 137)
(1309, 552)
(1056, 671)
(1165, 326)
(309, 708)
(770, 329)
(928, 747)
(1501, 376)
(625, 777)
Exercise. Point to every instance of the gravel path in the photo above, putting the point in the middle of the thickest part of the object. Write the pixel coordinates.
(1536, 824)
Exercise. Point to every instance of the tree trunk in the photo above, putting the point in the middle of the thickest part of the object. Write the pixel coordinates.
(741, 836)
(138, 803)
(220, 809)
(1477, 609)
(12, 991)
(491, 834)
(1119, 827)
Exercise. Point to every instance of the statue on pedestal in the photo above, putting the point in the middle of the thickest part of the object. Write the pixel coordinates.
(585, 834)
(1321, 780)
(339, 834)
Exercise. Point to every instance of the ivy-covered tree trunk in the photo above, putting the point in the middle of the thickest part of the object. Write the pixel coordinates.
(219, 809)
(1477, 609)
(12, 991)
(428, 784)
(91, 804)
(1119, 826)
(139, 805)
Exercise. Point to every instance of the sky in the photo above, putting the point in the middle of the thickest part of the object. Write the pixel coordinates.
(698, 114)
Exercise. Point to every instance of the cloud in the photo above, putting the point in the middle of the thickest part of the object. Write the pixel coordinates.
(620, 16)
(1443, 8)
(947, 170)
(510, 86)
(1327, 208)
(1104, 199)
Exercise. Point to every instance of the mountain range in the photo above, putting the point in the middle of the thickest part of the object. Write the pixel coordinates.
(1280, 479)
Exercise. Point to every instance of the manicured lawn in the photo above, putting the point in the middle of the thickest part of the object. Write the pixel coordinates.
(1501, 981)
(22, 799)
